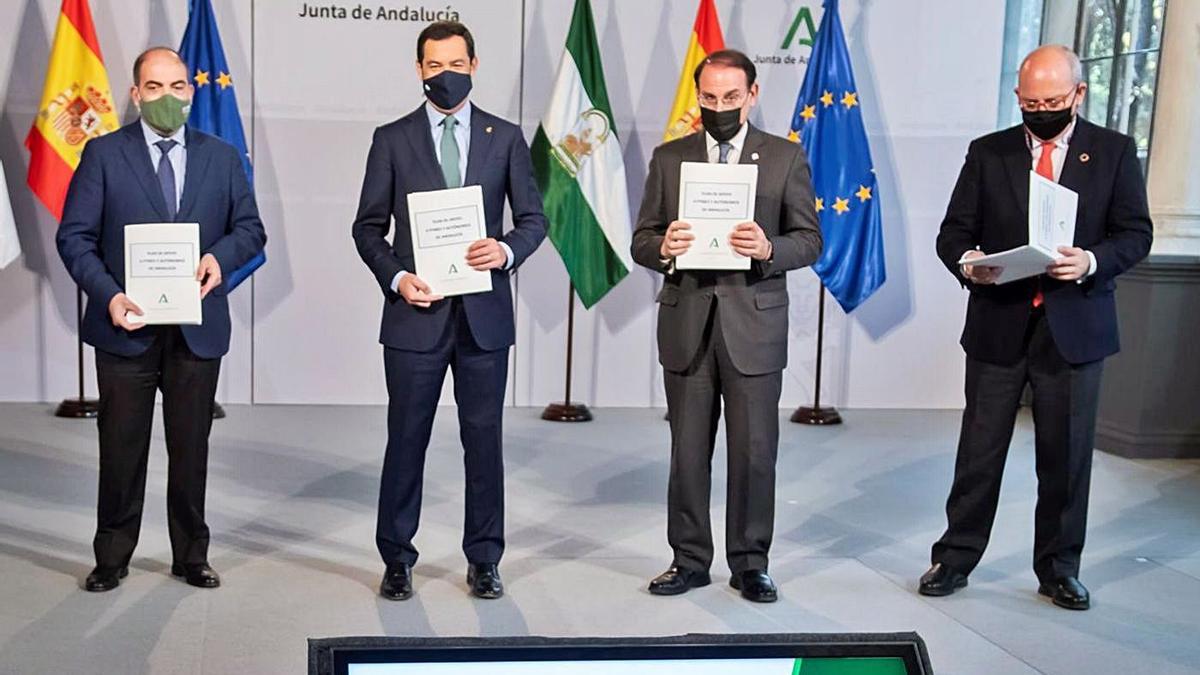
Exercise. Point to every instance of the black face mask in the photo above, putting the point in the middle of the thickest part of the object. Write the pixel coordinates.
(722, 125)
(1048, 124)
(447, 89)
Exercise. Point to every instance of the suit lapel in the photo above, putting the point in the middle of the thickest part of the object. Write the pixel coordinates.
(697, 150)
(198, 156)
(1074, 170)
(1075, 175)
(138, 156)
(1018, 162)
(750, 147)
(481, 140)
(421, 140)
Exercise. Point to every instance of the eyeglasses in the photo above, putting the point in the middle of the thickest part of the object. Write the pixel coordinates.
(1056, 103)
(731, 100)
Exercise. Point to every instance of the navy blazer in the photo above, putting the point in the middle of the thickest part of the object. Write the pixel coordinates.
(402, 160)
(990, 209)
(115, 185)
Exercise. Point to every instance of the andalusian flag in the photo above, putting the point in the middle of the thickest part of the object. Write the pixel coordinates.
(706, 39)
(578, 164)
(77, 106)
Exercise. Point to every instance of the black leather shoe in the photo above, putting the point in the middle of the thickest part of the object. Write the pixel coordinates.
(199, 575)
(484, 580)
(678, 580)
(1067, 593)
(755, 585)
(941, 580)
(397, 582)
(101, 579)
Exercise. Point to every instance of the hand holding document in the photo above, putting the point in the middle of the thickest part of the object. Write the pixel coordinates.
(1052, 209)
(714, 199)
(444, 224)
(160, 273)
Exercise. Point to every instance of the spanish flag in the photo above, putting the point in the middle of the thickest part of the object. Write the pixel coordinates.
(706, 39)
(77, 106)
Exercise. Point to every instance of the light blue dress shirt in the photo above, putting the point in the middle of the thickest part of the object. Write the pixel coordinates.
(462, 137)
(177, 156)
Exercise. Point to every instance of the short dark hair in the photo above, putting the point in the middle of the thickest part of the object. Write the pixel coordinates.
(141, 58)
(444, 30)
(730, 58)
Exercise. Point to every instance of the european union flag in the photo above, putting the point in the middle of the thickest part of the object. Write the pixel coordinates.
(828, 121)
(214, 105)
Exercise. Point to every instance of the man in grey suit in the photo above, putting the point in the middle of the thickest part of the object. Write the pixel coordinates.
(723, 334)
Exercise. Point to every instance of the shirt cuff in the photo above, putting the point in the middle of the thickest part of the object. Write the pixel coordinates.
(396, 281)
(1091, 267)
(508, 260)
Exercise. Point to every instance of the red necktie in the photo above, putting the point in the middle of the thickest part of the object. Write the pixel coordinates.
(1045, 169)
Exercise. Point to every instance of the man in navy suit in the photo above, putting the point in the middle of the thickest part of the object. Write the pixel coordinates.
(151, 171)
(447, 142)
(1051, 332)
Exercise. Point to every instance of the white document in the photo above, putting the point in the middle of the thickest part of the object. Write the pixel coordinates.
(160, 272)
(1052, 209)
(713, 199)
(444, 224)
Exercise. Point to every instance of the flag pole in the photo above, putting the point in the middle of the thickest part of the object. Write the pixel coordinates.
(81, 407)
(566, 411)
(816, 414)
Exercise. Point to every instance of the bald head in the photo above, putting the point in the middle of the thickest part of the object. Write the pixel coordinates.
(157, 57)
(1049, 78)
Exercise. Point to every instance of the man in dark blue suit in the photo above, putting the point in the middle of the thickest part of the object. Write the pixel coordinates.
(1051, 332)
(446, 143)
(151, 171)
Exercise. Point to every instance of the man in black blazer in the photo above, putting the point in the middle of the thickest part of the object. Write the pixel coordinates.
(1051, 332)
(722, 335)
(152, 171)
(447, 142)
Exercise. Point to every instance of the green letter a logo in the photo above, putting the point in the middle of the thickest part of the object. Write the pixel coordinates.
(714, 243)
(803, 16)
(453, 269)
(162, 299)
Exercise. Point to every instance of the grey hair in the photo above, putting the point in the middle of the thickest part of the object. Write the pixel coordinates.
(1067, 53)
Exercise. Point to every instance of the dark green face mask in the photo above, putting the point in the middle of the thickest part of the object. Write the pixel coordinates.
(166, 114)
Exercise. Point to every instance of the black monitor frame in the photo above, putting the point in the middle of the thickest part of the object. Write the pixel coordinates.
(333, 656)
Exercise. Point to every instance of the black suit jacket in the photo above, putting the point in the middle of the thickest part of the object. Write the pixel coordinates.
(989, 209)
(115, 185)
(754, 315)
(402, 160)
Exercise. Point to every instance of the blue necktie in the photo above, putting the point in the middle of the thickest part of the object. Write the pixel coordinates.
(166, 177)
(724, 149)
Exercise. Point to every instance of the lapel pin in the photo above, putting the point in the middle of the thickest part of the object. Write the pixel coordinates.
(487, 130)
(1084, 157)
(754, 156)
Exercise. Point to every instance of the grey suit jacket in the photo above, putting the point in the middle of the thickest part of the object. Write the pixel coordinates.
(754, 314)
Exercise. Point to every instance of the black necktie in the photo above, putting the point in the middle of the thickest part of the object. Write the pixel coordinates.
(166, 177)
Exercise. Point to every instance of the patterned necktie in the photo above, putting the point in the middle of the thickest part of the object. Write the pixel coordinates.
(724, 149)
(1045, 169)
(450, 156)
(166, 177)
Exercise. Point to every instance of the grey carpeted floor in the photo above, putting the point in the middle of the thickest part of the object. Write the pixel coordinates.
(291, 503)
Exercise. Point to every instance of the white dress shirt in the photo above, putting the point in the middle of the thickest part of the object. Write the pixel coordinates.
(735, 153)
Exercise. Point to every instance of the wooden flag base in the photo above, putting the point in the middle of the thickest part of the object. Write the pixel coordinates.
(816, 416)
(78, 408)
(567, 412)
